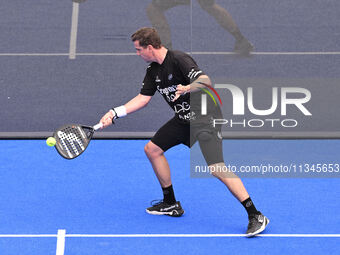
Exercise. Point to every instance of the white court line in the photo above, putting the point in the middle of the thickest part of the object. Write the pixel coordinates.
(62, 235)
(27, 235)
(64, 54)
(32, 54)
(74, 29)
(298, 53)
(134, 54)
(271, 53)
(203, 235)
(61, 242)
(107, 54)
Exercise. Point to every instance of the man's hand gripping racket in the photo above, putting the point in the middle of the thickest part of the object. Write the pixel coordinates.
(73, 139)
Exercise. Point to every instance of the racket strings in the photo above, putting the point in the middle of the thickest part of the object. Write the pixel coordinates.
(71, 141)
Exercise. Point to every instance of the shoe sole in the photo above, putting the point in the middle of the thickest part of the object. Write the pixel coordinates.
(263, 227)
(172, 213)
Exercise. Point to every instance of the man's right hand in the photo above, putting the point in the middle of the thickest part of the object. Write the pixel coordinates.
(107, 119)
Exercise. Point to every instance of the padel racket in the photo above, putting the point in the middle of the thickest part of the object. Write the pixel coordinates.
(73, 139)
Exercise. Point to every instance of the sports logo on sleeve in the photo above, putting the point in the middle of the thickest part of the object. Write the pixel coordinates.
(193, 73)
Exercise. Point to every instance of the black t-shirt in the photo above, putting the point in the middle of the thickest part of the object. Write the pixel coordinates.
(177, 68)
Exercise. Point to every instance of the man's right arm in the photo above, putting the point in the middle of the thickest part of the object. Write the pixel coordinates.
(135, 104)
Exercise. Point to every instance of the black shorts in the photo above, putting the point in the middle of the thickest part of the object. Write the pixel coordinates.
(176, 132)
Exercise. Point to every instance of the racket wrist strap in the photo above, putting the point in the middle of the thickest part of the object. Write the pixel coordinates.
(118, 112)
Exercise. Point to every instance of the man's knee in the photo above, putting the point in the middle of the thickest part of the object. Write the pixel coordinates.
(220, 171)
(204, 136)
(152, 150)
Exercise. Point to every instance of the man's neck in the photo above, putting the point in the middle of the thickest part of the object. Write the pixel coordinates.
(160, 55)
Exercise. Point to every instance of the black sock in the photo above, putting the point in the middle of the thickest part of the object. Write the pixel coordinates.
(169, 196)
(249, 206)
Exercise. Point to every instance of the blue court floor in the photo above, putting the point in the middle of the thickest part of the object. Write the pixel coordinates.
(99, 199)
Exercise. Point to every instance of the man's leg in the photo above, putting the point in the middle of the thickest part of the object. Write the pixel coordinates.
(155, 12)
(168, 206)
(159, 22)
(169, 135)
(232, 181)
(257, 221)
(211, 146)
(159, 163)
(223, 17)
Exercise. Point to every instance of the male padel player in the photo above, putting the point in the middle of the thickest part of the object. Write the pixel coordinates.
(176, 76)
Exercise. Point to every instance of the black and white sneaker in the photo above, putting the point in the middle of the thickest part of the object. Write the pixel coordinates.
(161, 208)
(257, 223)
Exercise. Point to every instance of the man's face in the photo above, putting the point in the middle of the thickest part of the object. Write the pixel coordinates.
(144, 53)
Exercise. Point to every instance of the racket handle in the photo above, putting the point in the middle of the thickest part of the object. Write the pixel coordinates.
(98, 126)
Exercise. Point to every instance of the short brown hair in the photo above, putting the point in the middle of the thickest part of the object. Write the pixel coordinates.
(147, 36)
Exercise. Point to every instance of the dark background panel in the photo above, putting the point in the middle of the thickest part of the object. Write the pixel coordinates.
(40, 93)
